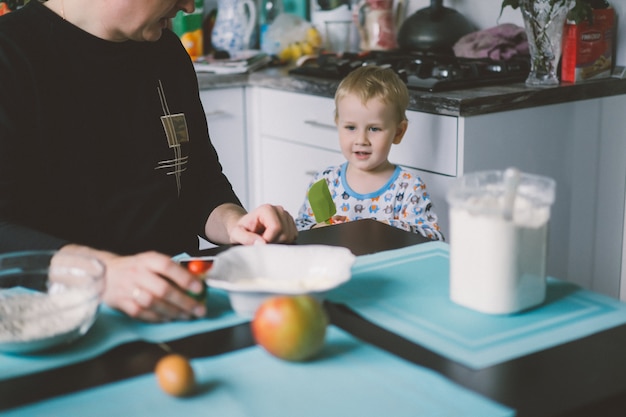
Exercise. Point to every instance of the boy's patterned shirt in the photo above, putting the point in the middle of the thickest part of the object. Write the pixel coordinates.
(402, 202)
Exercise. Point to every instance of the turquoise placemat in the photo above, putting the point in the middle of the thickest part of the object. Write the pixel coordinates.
(406, 291)
(113, 328)
(350, 378)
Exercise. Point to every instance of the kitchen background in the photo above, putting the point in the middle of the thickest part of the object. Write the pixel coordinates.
(482, 13)
(576, 140)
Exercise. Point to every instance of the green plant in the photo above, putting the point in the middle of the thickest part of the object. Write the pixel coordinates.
(580, 11)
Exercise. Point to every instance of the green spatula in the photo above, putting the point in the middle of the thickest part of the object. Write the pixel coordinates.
(321, 202)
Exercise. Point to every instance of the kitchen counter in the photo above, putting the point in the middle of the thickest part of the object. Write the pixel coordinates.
(467, 102)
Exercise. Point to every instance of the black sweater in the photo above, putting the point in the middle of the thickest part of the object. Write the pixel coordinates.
(84, 155)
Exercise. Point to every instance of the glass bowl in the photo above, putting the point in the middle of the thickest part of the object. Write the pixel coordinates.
(47, 299)
(250, 274)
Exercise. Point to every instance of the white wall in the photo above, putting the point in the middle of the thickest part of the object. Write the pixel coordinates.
(484, 14)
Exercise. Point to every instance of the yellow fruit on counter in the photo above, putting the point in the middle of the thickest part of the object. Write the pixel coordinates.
(296, 50)
(307, 49)
(285, 54)
(313, 37)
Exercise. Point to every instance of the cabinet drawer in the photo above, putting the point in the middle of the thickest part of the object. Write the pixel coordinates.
(299, 118)
(430, 143)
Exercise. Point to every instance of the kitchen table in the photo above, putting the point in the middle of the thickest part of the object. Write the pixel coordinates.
(582, 377)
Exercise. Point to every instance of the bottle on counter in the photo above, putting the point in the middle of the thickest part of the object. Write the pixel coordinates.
(589, 45)
(188, 27)
(7, 6)
(270, 9)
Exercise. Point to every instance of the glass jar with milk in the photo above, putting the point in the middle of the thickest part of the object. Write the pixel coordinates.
(498, 240)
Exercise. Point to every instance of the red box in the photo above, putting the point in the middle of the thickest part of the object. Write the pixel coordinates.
(588, 48)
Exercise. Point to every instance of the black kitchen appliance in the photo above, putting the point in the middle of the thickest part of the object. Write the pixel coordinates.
(422, 70)
(435, 29)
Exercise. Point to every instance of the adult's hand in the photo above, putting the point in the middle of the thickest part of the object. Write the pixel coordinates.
(149, 286)
(231, 224)
(265, 224)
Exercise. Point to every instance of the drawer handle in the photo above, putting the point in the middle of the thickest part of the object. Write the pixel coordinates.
(310, 173)
(215, 113)
(319, 124)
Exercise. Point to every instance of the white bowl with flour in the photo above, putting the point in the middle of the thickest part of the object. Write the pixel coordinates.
(47, 299)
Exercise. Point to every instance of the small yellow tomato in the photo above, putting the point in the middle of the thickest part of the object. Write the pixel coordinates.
(175, 375)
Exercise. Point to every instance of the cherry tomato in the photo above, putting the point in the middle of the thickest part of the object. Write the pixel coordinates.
(198, 267)
(175, 375)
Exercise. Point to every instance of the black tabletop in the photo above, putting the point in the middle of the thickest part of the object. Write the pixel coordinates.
(586, 377)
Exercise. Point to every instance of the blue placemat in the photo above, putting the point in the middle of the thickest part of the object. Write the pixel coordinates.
(350, 378)
(113, 328)
(406, 291)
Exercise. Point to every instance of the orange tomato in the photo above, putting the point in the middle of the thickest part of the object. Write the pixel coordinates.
(175, 375)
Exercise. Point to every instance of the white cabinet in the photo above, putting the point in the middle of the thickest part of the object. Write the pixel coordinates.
(292, 137)
(285, 182)
(225, 113)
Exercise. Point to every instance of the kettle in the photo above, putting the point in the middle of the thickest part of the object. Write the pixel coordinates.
(433, 29)
(232, 31)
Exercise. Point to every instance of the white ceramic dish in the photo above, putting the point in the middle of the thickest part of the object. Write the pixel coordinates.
(251, 274)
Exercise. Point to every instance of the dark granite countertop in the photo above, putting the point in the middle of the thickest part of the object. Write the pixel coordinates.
(467, 102)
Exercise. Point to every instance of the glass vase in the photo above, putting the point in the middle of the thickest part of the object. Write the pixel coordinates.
(544, 20)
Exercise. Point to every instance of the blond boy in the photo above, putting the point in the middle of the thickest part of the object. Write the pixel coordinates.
(370, 114)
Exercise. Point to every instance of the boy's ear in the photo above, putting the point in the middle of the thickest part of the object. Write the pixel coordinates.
(400, 131)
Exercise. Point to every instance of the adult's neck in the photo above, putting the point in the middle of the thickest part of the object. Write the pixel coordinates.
(81, 14)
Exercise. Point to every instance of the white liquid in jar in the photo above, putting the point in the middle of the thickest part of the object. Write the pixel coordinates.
(497, 266)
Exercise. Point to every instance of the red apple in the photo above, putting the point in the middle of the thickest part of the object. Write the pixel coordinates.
(290, 327)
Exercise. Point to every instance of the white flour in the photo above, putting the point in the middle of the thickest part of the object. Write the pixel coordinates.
(29, 315)
(314, 283)
(496, 265)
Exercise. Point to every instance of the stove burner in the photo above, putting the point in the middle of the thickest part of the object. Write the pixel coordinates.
(422, 70)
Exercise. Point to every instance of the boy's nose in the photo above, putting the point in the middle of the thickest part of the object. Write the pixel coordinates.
(362, 138)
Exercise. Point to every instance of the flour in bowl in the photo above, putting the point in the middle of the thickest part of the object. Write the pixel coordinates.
(27, 315)
(295, 285)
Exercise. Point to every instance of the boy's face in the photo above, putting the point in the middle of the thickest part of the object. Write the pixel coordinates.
(367, 131)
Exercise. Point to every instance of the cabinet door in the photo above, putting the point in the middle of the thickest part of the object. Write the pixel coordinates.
(430, 144)
(224, 109)
(284, 181)
(437, 186)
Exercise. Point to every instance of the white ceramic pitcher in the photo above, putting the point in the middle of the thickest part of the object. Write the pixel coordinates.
(233, 26)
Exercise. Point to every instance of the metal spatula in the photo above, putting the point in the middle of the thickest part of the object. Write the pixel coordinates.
(321, 202)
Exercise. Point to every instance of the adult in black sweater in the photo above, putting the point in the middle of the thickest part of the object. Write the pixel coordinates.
(105, 150)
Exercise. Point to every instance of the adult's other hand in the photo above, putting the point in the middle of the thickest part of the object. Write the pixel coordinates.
(265, 224)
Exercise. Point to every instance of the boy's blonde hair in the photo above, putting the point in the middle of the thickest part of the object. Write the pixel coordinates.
(370, 82)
